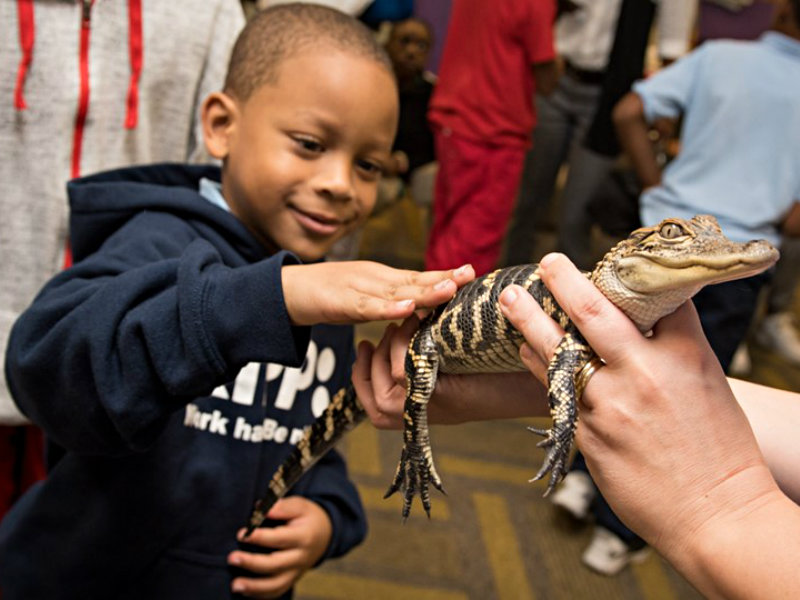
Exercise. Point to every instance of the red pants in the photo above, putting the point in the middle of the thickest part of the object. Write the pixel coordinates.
(21, 462)
(476, 186)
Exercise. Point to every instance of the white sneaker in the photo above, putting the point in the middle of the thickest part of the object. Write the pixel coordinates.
(607, 554)
(575, 494)
(779, 333)
(741, 364)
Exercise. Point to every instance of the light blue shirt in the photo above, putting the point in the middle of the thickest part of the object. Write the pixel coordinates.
(212, 191)
(740, 139)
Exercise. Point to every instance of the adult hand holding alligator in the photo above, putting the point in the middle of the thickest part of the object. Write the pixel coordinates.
(648, 275)
(669, 446)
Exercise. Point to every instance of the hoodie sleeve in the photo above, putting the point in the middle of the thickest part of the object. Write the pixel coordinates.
(328, 485)
(113, 346)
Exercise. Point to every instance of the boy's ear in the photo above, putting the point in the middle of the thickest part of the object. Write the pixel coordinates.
(218, 114)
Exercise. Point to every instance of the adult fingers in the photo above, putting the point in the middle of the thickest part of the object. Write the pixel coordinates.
(681, 334)
(680, 324)
(542, 334)
(607, 329)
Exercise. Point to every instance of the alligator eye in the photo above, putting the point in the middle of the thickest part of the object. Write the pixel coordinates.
(670, 231)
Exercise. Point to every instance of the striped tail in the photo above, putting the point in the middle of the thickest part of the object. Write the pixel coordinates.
(342, 414)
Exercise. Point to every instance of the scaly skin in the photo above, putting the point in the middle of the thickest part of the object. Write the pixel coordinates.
(648, 275)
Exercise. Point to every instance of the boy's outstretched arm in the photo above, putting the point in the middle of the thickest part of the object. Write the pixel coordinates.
(352, 292)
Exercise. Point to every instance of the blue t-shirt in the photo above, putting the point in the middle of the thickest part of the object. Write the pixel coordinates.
(740, 138)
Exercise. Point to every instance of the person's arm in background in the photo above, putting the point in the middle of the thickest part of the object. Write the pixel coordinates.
(668, 445)
(546, 77)
(537, 36)
(633, 132)
(791, 224)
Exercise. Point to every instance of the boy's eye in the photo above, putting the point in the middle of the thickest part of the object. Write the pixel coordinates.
(308, 144)
(369, 167)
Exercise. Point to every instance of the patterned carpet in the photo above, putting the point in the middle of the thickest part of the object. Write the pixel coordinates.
(493, 536)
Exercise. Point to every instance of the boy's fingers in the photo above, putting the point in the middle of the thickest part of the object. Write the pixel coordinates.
(432, 288)
(461, 275)
(600, 321)
(361, 371)
(265, 564)
(264, 587)
(399, 347)
(279, 537)
(381, 363)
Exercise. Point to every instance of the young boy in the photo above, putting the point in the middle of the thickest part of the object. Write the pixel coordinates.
(145, 361)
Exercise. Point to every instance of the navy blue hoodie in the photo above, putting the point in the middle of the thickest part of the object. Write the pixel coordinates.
(165, 365)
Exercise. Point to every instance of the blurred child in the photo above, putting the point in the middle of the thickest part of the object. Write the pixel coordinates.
(408, 48)
(496, 56)
(165, 361)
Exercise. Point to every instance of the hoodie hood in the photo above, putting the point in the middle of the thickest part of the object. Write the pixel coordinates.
(101, 204)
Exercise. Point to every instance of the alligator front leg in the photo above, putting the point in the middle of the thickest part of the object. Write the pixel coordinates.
(570, 355)
(416, 470)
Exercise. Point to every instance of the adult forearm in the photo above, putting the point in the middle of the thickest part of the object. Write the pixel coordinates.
(751, 553)
(462, 398)
(774, 416)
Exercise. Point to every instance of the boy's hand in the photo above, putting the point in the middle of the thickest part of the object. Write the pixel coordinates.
(359, 291)
(298, 545)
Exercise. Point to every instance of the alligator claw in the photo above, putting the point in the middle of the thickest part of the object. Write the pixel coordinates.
(555, 461)
(414, 475)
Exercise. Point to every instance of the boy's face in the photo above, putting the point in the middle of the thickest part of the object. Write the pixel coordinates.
(303, 156)
(408, 47)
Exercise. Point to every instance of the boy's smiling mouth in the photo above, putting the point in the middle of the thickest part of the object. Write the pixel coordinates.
(318, 223)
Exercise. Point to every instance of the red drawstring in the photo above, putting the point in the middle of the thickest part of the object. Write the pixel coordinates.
(135, 47)
(26, 29)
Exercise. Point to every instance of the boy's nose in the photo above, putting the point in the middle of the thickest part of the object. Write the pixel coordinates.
(335, 180)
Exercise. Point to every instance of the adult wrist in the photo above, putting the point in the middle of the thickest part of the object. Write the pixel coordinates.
(726, 539)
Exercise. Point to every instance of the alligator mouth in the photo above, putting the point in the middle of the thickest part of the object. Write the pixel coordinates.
(650, 274)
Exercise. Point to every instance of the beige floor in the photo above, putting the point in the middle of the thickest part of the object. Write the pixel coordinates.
(493, 536)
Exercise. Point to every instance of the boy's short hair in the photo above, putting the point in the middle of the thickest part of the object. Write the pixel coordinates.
(282, 31)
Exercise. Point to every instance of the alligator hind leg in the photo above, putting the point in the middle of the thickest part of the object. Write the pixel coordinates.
(570, 355)
(416, 471)
(342, 414)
